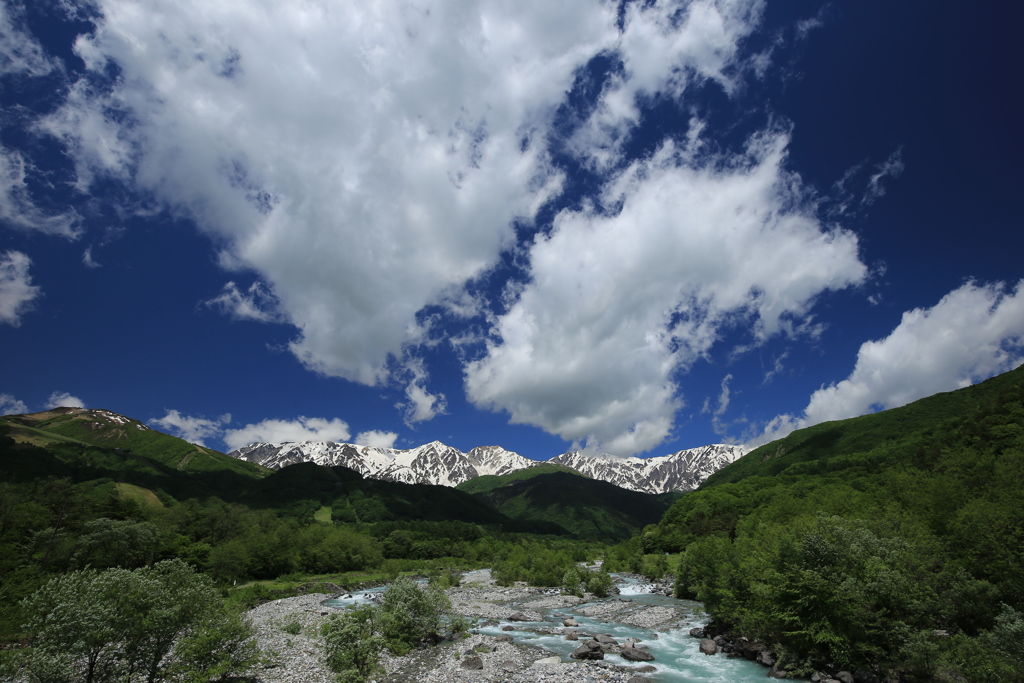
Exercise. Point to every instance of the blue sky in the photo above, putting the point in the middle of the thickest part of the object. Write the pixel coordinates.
(627, 227)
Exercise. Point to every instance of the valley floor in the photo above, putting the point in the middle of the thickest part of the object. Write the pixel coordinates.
(299, 657)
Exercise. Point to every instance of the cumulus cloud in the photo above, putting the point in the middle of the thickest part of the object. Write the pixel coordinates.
(297, 430)
(976, 331)
(11, 406)
(193, 429)
(16, 289)
(420, 405)
(62, 399)
(664, 48)
(358, 158)
(376, 439)
(620, 303)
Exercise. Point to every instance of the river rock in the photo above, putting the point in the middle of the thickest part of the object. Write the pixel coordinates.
(844, 677)
(547, 661)
(472, 663)
(697, 632)
(570, 622)
(635, 655)
(591, 649)
(504, 638)
(766, 658)
(518, 616)
(646, 669)
(508, 628)
(605, 639)
(571, 635)
(708, 646)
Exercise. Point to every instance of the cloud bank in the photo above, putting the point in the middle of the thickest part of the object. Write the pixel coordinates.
(298, 430)
(976, 331)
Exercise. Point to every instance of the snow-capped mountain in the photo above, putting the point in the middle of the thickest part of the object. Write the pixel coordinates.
(436, 463)
(432, 463)
(680, 471)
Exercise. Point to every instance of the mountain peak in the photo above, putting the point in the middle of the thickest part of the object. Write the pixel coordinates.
(438, 463)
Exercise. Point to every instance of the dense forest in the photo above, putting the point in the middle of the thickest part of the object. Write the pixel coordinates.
(891, 543)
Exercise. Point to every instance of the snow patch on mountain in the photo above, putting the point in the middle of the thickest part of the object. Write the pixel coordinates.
(436, 463)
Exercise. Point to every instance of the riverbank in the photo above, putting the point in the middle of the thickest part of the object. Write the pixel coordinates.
(289, 628)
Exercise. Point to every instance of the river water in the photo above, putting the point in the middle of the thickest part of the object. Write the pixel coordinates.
(677, 655)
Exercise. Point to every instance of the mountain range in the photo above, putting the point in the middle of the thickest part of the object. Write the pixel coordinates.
(439, 464)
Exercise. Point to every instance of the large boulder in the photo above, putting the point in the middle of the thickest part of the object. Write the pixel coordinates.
(697, 632)
(570, 622)
(766, 658)
(591, 649)
(472, 663)
(844, 677)
(708, 646)
(634, 655)
(518, 616)
(605, 639)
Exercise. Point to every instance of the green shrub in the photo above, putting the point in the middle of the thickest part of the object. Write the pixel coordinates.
(410, 615)
(351, 646)
(599, 583)
(292, 627)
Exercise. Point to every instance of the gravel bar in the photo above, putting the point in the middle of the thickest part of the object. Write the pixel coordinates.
(297, 658)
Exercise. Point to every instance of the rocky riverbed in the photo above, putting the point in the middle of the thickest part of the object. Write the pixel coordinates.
(289, 628)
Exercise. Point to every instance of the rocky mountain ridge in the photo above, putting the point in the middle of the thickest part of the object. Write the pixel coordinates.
(437, 463)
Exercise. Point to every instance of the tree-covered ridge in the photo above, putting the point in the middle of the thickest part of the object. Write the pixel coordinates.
(489, 482)
(890, 540)
(586, 507)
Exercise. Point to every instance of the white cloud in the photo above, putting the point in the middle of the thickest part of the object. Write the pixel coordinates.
(16, 289)
(11, 406)
(619, 304)
(974, 332)
(19, 51)
(256, 303)
(193, 429)
(18, 210)
(62, 399)
(355, 155)
(298, 430)
(420, 404)
(376, 439)
(665, 47)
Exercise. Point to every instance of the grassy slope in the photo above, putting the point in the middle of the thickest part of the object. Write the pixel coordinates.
(98, 428)
(586, 507)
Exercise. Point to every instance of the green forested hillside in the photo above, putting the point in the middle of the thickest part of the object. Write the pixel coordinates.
(891, 541)
(71, 499)
(489, 482)
(586, 507)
